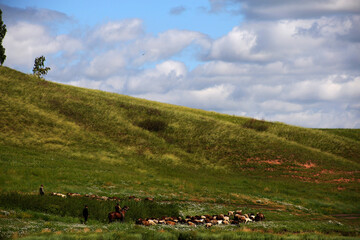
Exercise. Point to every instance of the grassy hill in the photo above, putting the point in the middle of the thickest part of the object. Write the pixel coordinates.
(79, 140)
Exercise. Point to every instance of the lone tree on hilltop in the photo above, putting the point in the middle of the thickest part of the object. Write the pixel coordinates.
(2, 35)
(39, 69)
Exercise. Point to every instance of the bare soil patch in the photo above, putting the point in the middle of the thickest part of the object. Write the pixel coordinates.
(347, 215)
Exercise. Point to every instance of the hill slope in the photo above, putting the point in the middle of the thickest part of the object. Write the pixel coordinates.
(79, 140)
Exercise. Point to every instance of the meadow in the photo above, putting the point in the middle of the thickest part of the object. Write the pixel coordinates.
(193, 162)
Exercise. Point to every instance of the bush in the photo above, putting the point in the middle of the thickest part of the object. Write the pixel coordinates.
(153, 125)
(258, 125)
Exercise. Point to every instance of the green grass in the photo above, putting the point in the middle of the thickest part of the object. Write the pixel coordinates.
(72, 206)
(91, 142)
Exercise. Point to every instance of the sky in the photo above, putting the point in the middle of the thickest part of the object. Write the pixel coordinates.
(290, 61)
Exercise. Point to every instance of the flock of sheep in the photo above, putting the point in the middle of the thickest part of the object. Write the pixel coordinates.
(233, 217)
(104, 198)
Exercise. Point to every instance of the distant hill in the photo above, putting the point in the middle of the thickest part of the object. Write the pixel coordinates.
(79, 140)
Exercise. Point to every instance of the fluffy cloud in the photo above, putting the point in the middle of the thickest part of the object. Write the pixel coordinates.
(237, 45)
(25, 41)
(166, 45)
(164, 77)
(286, 9)
(211, 98)
(105, 65)
(46, 17)
(124, 30)
(334, 88)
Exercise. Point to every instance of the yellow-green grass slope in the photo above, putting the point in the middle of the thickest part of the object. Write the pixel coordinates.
(79, 140)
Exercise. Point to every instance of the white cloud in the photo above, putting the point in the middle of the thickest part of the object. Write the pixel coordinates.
(165, 45)
(165, 76)
(329, 89)
(211, 98)
(220, 68)
(319, 119)
(172, 67)
(116, 31)
(237, 45)
(289, 9)
(105, 65)
(280, 106)
(24, 42)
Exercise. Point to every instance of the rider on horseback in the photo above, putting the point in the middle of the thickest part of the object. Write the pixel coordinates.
(118, 215)
(117, 208)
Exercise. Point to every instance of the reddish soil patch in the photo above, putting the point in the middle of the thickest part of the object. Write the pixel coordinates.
(333, 172)
(326, 171)
(275, 162)
(306, 179)
(270, 161)
(344, 180)
(347, 216)
(270, 169)
(308, 165)
(340, 188)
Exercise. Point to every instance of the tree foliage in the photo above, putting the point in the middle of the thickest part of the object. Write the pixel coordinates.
(39, 67)
(2, 35)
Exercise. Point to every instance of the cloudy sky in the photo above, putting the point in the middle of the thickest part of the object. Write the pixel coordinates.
(291, 61)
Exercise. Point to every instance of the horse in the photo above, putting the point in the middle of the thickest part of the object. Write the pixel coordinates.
(113, 216)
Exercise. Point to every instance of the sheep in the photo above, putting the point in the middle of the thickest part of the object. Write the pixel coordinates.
(103, 198)
(259, 217)
(214, 222)
(152, 222)
(170, 223)
(73, 194)
(58, 194)
(191, 224)
(247, 219)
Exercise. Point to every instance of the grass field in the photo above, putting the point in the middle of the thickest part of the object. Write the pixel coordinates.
(72, 139)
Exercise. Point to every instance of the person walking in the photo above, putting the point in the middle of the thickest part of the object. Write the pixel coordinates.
(85, 213)
(41, 190)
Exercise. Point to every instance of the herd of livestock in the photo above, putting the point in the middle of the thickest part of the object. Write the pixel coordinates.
(97, 197)
(232, 217)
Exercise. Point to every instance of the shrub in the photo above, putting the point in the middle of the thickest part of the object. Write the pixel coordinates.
(258, 125)
(153, 125)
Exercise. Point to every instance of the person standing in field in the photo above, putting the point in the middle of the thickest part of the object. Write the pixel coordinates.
(85, 213)
(41, 190)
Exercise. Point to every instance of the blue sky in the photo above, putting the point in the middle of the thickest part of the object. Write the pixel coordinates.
(158, 16)
(290, 61)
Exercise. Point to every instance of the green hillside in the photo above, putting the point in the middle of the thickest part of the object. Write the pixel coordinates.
(92, 142)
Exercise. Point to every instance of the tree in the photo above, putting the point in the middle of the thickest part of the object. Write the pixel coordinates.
(2, 35)
(39, 69)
